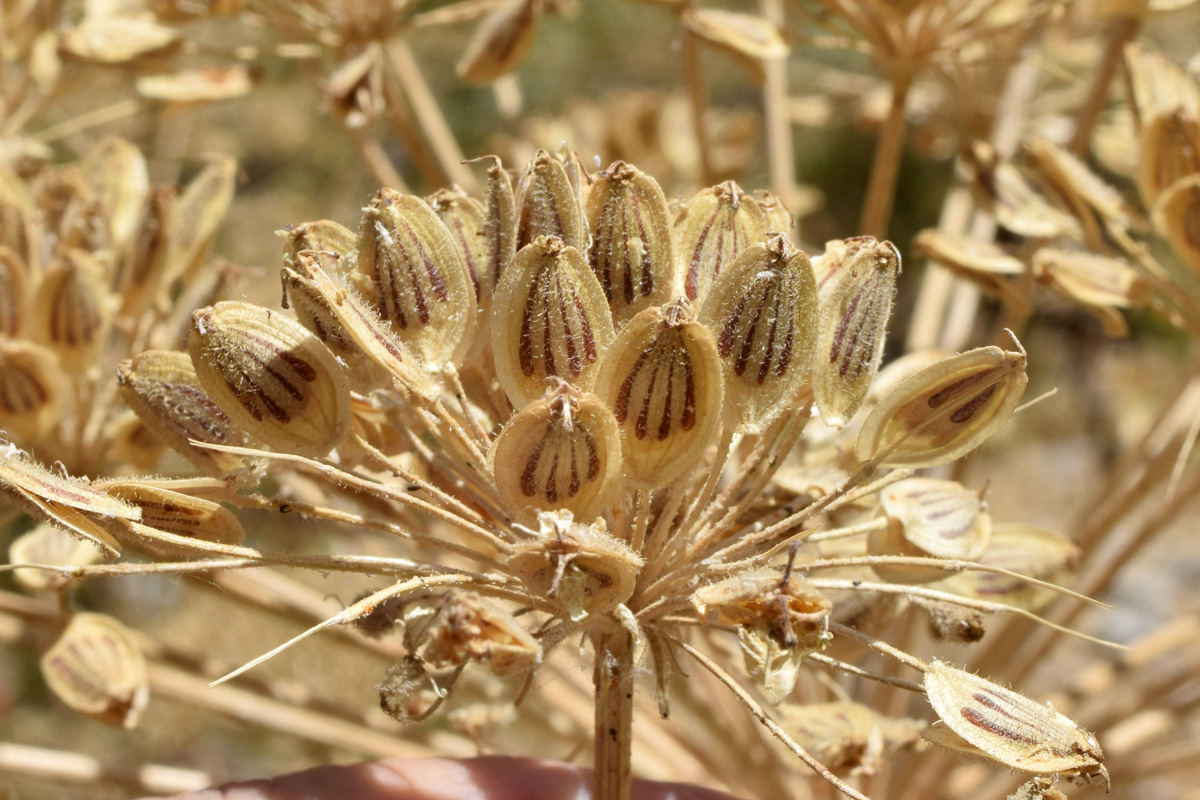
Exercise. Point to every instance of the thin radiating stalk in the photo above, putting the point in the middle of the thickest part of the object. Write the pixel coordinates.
(614, 715)
(1121, 32)
(889, 148)
(690, 53)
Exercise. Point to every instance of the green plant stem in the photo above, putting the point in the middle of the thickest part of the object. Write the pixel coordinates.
(881, 188)
(613, 678)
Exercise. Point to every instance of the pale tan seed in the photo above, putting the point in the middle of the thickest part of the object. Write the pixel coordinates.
(70, 315)
(1099, 283)
(48, 545)
(928, 518)
(944, 411)
(162, 388)
(855, 304)
(1002, 189)
(177, 514)
(662, 379)
(549, 320)
(1094, 203)
(762, 311)
(418, 276)
(120, 179)
(32, 388)
(713, 229)
(466, 218)
(199, 211)
(1010, 728)
(500, 43)
(141, 273)
(749, 38)
(322, 234)
(632, 250)
(1177, 217)
(1025, 549)
(272, 377)
(549, 204)
(97, 669)
(1170, 151)
(842, 736)
(560, 452)
(500, 226)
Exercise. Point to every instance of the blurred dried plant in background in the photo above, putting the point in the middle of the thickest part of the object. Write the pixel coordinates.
(594, 461)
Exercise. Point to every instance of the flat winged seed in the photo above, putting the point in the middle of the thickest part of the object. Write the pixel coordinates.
(24, 479)
(715, 226)
(96, 668)
(928, 518)
(117, 172)
(854, 308)
(322, 234)
(1037, 552)
(1098, 282)
(468, 628)
(69, 314)
(632, 248)
(944, 411)
(751, 39)
(1170, 152)
(162, 388)
(500, 43)
(560, 452)
(662, 379)
(549, 320)
(842, 736)
(420, 280)
(762, 310)
(48, 545)
(32, 388)
(465, 218)
(177, 514)
(142, 271)
(1080, 189)
(549, 204)
(198, 212)
(983, 263)
(1012, 729)
(500, 226)
(304, 296)
(271, 376)
(1177, 217)
(1002, 189)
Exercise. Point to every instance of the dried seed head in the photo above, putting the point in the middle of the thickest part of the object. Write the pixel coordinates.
(549, 320)
(468, 628)
(1097, 282)
(1002, 189)
(945, 410)
(855, 304)
(715, 227)
(549, 204)
(1039, 553)
(177, 514)
(97, 669)
(662, 379)
(929, 518)
(48, 545)
(845, 737)
(162, 388)
(324, 235)
(69, 312)
(632, 248)
(779, 622)
(418, 275)
(581, 567)
(560, 452)
(1177, 217)
(465, 218)
(500, 43)
(1012, 729)
(14, 292)
(762, 311)
(32, 388)
(273, 378)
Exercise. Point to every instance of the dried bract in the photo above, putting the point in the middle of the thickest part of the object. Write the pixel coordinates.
(96, 668)
(468, 628)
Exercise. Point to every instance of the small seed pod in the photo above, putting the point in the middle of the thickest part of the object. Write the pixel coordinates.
(1039, 553)
(662, 379)
(142, 271)
(14, 292)
(944, 411)
(762, 311)
(1177, 217)
(632, 248)
(1099, 283)
(465, 218)
(116, 171)
(69, 312)
(500, 226)
(715, 227)
(560, 452)
(845, 737)
(48, 545)
(983, 263)
(32, 388)
(162, 389)
(273, 378)
(51, 496)
(324, 235)
(1002, 189)
(549, 204)
(418, 275)
(582, 567)
(549, 320)
(500, 43)
(854, 308)
(1012, 729)
(1170, 152)
(1090, 199)
(468, 628)
(14, 227)
(96, 668)
(928, 518)
(177, 514)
